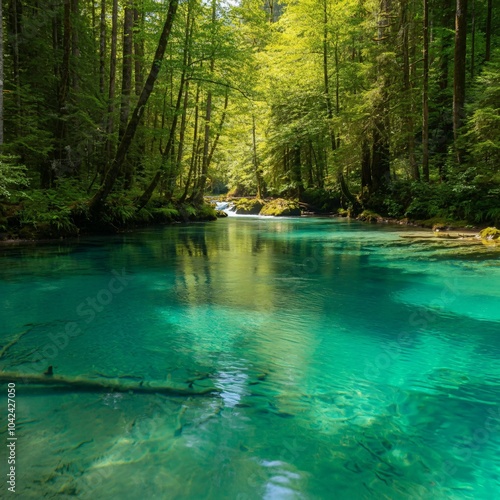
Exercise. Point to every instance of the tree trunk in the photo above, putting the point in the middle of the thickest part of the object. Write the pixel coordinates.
(167, 163)
(473, 40)
(326, 78)
(127, 65)
(75, 48)
(105, 384)
(425, 96)
(366, 174)
(408, 88)
(192, 170)
(112, 82)
(488, 30)
(1, 75)
(459, 75)
(102, 49)
(219, 129)
(202, 181)
(129, 134)
(256, 166)
(138, 51)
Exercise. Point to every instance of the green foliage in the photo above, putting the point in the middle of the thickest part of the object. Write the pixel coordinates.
(44, 214)
(166, 214)
(484, 122)
(12, 176)
(322, 200)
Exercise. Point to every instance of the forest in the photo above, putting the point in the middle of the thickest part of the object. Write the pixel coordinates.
(121, 113)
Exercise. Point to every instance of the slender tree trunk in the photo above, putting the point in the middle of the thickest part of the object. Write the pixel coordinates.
(366, 175)
(167, 163)
(112, 80)
(13, 35)
(1, 75)
(75, 47)
(488, 30)
(459, 75)
(473, 40)
(102, 49)
(425, 96)
(202, 181)
(326, 78)
(258, 177)
(182, 133)
(381, 130)
(295, 170)
(138, 50)
(127, 65)
(219, 130)
(192, 165)
(408, 87)
(129, 134)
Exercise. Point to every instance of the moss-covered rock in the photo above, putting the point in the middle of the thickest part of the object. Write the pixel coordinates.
(369, 216)
(248, 206)
(221, 214)
(281, 208)
(490, 233)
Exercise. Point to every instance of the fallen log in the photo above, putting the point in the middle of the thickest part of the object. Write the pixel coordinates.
(111, 385)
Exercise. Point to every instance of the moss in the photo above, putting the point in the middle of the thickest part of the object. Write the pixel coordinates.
(248, 206)
(281, 208)
(205, 212)
(369, 216)
(342, 212)
(490, 233)
(220, 213)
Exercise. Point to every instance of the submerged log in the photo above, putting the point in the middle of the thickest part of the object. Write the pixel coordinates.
(18, 337)
(113, 385)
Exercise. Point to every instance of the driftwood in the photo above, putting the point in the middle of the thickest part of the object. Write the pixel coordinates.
(113, 385)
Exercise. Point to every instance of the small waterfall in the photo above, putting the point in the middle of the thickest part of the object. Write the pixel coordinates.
(225, 206)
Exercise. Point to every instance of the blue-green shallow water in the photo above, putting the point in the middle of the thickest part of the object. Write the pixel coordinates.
(353, 363)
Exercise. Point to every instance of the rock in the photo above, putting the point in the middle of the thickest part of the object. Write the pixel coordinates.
(281, 208)
(489, 233)
(248, 206)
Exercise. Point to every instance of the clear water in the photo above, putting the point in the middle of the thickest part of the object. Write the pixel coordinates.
(353, 363)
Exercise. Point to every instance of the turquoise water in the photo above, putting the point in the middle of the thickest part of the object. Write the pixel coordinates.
(352, 362)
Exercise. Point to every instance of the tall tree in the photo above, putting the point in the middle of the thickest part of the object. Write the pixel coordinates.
(127, 65)
(488, 30)
(459, 75)
(1, 74)
(425, 95)
(117, 164)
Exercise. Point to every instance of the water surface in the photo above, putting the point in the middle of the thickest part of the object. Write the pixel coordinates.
(352, 362)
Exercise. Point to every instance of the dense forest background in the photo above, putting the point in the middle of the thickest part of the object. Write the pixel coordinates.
(117, 112)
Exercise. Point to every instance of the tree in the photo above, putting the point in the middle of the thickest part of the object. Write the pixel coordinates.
(459, 76)
(115, 169)
(1, 75)
(425, 95)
